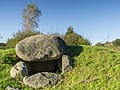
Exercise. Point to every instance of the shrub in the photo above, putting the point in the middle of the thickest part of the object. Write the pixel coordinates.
(71, 38)
(99, 44)
(116, 42)
(56, 34)
(11, 42)
(2, 45)
(83, 41)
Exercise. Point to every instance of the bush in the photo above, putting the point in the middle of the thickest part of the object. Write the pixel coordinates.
(83, 41)
(99, 44)
(20, 35)
(2, 45)
(55, 34)
(116, 42)
(71, 38)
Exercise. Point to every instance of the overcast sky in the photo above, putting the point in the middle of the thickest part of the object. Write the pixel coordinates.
(97, 20)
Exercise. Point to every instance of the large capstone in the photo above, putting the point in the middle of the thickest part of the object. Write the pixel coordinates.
(41, 48)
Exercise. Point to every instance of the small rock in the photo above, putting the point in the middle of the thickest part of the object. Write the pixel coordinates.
(42, 79)
(19, 71)
(11, 88)
(53, 77)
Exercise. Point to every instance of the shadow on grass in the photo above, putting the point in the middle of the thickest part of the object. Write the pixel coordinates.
(74, 51)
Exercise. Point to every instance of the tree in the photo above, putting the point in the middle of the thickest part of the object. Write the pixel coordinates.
(30, 23)
(31, 17)
(71, 38)
(99, 44)
(1, 36)
(69, 30)
(18, 36)
(2, 45)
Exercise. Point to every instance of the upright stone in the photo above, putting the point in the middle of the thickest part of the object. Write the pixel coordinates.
(65, 64)
(19, 71)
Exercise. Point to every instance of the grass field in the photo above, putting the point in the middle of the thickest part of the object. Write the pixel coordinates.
(95, 68)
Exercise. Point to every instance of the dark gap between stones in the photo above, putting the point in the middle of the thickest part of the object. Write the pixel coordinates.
(34, 67)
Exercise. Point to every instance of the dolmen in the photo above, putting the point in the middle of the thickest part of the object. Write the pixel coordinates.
(42, 59)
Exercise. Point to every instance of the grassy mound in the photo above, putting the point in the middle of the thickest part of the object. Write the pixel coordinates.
(7, 60)
(95, 68)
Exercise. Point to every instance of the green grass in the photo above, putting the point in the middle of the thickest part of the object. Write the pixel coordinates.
(7, 60)
(95, 68)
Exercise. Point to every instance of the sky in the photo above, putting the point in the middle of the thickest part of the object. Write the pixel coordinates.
(97, 20)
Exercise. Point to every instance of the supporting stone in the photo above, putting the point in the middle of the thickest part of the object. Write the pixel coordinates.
(65, 64)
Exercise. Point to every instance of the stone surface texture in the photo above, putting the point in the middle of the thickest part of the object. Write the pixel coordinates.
(65, 65)
(41, 48)
(19, 71)
(42, 79)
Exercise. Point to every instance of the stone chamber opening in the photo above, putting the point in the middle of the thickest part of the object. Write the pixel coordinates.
(34, 67)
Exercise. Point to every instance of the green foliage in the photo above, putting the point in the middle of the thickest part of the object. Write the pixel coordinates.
(30, 23)
(115, 45)
(2, 45)
(31, 17)
(100, 67)
(71, 38)
(56, 34)
(83, 41)
(11, 43)
(99, 44)
(69, 30)
(7, 60)
(116, 42)
(95, 68)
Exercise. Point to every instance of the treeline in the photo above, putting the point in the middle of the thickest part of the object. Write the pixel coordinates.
(115, 44)
(30, 24)
(71, 38)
